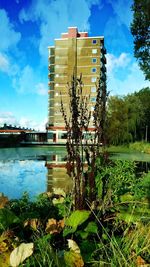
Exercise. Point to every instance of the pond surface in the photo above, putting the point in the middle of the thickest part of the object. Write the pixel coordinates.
(40, 169)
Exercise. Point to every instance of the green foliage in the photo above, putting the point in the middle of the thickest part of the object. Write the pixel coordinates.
(117, 119)
(128, 118)
(140, 28)
(76, 218)
(7, 219)
(41, 208)
(144, 127)
(134, 213)
(140, 146)
(117, 177)
(44, 254)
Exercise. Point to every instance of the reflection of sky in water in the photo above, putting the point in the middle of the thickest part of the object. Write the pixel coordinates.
(17, 177)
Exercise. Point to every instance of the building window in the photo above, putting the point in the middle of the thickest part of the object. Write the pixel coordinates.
(94, 51)
(57, 75)
(93, 70)
(57, 84)
(94, 41)
(93, 99)
(92, 108)
(93, 79)
(94, 60)
(93, 89)
(56, 94)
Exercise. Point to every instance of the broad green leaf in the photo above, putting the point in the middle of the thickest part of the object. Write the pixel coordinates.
(7, 218)
(126, 197)
(76, 218)
(68, 231)
(91, 228)
(19, 254)
(83, 234)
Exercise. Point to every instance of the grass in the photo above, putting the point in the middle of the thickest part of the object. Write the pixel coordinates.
(130, 148)
(141, 147)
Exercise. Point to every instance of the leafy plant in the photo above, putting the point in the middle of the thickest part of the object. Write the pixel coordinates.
(7, 219)
(76, 218)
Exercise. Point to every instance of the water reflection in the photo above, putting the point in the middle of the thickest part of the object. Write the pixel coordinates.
(16, 177)
(57, 176)
(41, 169)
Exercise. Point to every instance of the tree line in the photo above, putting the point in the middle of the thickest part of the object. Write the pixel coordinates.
(128, 118)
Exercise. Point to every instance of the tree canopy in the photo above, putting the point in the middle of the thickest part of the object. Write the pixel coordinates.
(128, 117)
(140, 29)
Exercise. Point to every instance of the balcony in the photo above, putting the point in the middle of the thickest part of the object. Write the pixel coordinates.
(103, 68)
(51, 76)
(103, 59)
(103, 77)
(51, 60)
(103, 50)
(51, 68)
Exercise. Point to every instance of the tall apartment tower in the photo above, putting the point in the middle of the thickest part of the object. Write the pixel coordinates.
(74, 52)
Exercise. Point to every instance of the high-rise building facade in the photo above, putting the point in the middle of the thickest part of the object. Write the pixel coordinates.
(74, 52)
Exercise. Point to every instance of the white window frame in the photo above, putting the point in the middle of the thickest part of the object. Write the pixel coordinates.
(93, 89)
(94, 51)
(93, 99)
(93, 79)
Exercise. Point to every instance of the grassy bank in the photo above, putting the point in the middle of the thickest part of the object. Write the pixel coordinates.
(132, 147)
(141, 147)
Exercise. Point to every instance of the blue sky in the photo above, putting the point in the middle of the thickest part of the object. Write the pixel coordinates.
(27, 27)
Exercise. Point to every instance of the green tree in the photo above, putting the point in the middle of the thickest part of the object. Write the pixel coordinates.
(128, 117)
(117, 121)
(140, 29)
(135, 115)
(144, 127)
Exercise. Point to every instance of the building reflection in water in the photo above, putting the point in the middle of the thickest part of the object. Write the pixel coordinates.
(57, 176)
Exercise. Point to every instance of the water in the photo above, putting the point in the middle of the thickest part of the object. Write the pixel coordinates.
(31, 170)
(41, 169)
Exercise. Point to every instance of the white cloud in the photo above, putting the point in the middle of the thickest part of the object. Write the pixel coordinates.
(8, 43)
(28, 81)
(10, 37)
(54, 17)
(28, 123)
(130, 78)
(41, 89)
(10, 118)
(114, 62)
(4, 63)
(7, 66)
